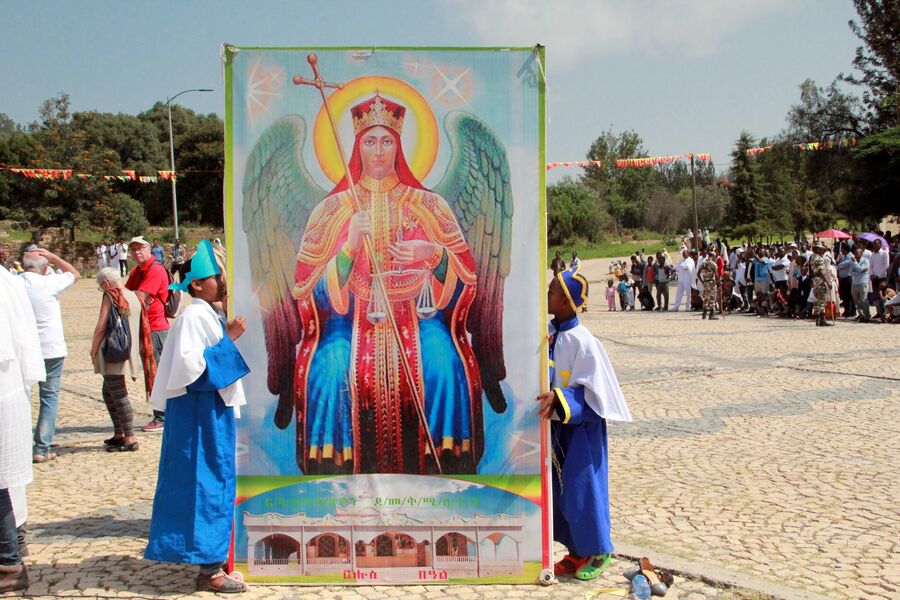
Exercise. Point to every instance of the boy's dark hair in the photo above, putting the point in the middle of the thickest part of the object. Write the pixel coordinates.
(183, 270)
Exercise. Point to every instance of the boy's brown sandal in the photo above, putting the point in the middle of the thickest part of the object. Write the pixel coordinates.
(221, 583)
(13, 578)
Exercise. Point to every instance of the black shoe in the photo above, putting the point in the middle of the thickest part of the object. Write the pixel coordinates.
(132, 447)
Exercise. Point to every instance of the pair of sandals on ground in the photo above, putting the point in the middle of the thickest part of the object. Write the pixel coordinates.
(590, 567)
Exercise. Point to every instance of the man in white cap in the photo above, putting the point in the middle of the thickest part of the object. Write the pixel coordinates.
(43, 287)
(150, 281)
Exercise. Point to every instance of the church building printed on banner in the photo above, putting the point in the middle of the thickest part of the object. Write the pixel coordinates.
(383, 545)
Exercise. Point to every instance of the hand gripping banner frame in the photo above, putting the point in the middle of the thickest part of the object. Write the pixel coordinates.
(391, 434)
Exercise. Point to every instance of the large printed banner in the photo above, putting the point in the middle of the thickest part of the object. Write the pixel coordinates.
(387, 251)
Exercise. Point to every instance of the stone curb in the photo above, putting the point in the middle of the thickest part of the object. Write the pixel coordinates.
(714, 575)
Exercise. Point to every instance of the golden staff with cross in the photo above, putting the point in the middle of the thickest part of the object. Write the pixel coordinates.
(377, 276)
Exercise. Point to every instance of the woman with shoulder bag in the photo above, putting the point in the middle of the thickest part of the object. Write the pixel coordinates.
(106, 353)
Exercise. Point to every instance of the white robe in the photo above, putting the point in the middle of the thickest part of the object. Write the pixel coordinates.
(21, 366)
(182, 360)
(580, 360)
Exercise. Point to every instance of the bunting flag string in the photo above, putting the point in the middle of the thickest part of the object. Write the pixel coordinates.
(44, 173)
(760, 150)
(574, 163)
(810, 146)
(652, 161)
(627, 163)
(127, 174)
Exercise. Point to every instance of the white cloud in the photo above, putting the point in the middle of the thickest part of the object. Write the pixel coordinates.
(578, 31)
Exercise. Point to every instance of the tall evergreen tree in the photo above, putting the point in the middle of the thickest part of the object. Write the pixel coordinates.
(743, 211)
(878, 59)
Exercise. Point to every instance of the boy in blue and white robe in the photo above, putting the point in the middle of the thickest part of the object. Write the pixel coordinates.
(198, 385)
(584, 394)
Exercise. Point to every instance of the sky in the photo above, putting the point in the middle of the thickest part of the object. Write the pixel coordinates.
(687, 75)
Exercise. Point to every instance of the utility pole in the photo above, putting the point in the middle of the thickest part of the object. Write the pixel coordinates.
(697, 236)
(172, 153)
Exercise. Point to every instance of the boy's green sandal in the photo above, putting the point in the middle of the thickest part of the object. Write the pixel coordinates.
(592, 569)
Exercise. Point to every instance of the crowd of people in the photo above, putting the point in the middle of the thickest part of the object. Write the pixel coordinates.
(198, 367)
(855, 278)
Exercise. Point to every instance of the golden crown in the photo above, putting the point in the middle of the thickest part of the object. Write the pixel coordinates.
(378, 111)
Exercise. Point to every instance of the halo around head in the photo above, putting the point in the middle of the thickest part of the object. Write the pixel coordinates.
(424, 143)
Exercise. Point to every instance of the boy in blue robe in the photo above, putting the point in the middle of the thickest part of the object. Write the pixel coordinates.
(198, 385)
(584, 394)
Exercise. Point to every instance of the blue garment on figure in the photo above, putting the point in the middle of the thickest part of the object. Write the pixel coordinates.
(329, 417)
(194, 502)
(581, 520)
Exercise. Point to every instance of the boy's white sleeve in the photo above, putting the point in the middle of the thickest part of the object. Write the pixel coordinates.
(595, 373)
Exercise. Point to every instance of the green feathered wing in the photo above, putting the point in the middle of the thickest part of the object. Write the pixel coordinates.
(279, 195)
(477, 188)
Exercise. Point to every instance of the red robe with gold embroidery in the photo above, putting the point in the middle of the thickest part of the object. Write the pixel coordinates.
(380, 430)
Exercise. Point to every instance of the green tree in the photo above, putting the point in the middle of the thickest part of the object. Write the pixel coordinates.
(878, 60)
(199, 160)
(16, 149)
(69, 202)
(573, 211)
(202, 154)
(876, 178)
(677, 175)
(825, 113)
(136, 143)
(741, 219)
(125, 216)
(712, 201)
(8, 127)
(626, 192)
(782, 187)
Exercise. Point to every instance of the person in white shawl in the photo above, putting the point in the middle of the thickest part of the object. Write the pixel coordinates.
(584, 395)
(198, 385)
(21, 366)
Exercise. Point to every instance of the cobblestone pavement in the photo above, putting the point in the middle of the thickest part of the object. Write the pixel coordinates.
(761, 446)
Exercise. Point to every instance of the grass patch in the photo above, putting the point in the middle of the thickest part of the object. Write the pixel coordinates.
(609, 249)
(532, 571)
(190, 234)
(10, 235)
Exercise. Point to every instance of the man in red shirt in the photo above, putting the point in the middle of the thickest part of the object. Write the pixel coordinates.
(150, 282)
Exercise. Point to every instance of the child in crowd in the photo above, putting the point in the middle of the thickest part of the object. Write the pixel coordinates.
(584, 394)
(761, 304)
(198, 385)
(629, 293)
(778, 302)
(623, 292)
(696, 299)
(610, 295)
(882, 295)
(891, 310)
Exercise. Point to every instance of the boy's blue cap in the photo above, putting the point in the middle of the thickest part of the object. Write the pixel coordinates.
(203, 265)
(575, 287)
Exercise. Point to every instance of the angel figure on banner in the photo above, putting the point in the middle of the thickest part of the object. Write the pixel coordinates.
(382, 299)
